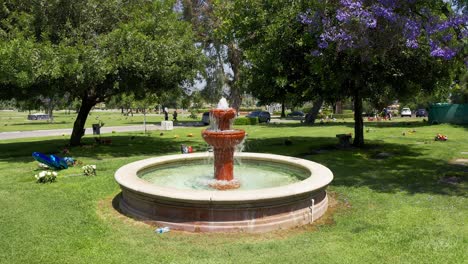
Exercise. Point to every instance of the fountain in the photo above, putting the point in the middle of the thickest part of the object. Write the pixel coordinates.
(223, 139)
(264, 192)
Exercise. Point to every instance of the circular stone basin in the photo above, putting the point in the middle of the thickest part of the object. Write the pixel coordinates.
(258, 209)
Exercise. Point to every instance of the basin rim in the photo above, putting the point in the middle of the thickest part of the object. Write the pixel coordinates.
(127, 177)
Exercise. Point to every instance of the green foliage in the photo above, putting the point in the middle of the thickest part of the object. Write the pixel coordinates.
(193, 115)
(342, 116)
(94, 49)
(459, 92)
(240, 121)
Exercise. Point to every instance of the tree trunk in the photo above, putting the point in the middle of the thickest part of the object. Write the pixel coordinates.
(339, 107)
(358, 121)
(144, 119)
(235, 59)
(312, 115)
(78, 126)
(50, 110)
(283, 110)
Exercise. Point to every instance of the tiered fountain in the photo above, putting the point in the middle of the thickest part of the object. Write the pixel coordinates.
(268, 192)
(224, 140)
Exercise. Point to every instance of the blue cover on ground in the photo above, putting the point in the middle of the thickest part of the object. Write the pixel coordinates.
(51, 161)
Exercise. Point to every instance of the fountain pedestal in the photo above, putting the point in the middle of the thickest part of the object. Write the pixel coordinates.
(223, 141)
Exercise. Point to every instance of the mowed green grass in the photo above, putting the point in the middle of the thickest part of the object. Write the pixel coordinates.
(18, 121)
(391, 210)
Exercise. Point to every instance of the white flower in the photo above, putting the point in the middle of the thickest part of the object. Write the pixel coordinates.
(93, 166)
(54, 173)
(36, 176)
(42, 174)
(49, 173)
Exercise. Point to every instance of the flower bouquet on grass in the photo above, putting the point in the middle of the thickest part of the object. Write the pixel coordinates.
(89, 170)
(46, 176)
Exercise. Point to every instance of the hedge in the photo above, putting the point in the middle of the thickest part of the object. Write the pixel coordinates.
(243, 121)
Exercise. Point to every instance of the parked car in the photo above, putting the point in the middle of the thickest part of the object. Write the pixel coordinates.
(405, 112)
(296, 114)
(206, 118)
(263, 116)
(421, 113)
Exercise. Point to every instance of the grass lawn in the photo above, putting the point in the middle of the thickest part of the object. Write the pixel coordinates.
(18, 121)
(391, 210)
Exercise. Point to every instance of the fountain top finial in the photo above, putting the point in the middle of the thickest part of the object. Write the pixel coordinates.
(223, 104)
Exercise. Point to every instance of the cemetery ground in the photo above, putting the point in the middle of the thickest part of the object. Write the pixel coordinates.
(401, 199)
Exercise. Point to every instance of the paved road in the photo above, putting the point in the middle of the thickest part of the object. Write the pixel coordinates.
(67, 131)
(89, 131)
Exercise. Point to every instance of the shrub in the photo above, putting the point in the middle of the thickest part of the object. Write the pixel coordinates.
(193, 115)
(243, 121)
(46, 176)
(341, 116)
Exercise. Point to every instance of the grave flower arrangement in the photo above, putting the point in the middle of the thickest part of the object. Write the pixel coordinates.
(46, 176)
(89, 170)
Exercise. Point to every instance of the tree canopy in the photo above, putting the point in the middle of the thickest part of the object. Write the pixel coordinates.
(93, 49)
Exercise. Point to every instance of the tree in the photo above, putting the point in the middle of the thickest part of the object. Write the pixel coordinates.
(276, 51)
(459, 92)
(394, 47)
(225, 57)
(94, 49)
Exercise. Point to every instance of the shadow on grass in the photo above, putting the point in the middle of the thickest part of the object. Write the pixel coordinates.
(406, 168)
(120, 146)
(399, 123)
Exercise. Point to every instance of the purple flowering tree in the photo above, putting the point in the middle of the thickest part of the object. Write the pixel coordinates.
(386, 47)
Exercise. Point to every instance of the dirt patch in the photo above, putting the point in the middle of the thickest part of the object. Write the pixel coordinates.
(108, 211)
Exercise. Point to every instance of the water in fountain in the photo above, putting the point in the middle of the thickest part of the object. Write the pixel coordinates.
(199, 175)
(223, 104)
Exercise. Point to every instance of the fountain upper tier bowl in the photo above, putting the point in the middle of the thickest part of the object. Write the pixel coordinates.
(257, 210)
(223, 139)
(223, 117)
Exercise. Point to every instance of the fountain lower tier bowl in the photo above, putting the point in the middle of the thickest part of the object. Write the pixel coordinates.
(223, 117)
(254, 210)
(223, 139)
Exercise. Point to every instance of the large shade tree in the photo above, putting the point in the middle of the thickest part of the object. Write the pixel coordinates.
(386, 46)
(223, 68)
(94, 49)
(277, 50)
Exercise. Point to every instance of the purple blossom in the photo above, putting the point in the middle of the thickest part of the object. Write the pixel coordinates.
(342, 15)
(441, 52)
(316, 53)
(412, 30)
(353, 21)
(304, 18)
(447, 38)
(461, 20)
(384, 12)
(389, 3)
(351, 4)
(412, 43)
(323, 44)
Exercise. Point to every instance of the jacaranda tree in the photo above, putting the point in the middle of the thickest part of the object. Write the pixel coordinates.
(386, 47)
